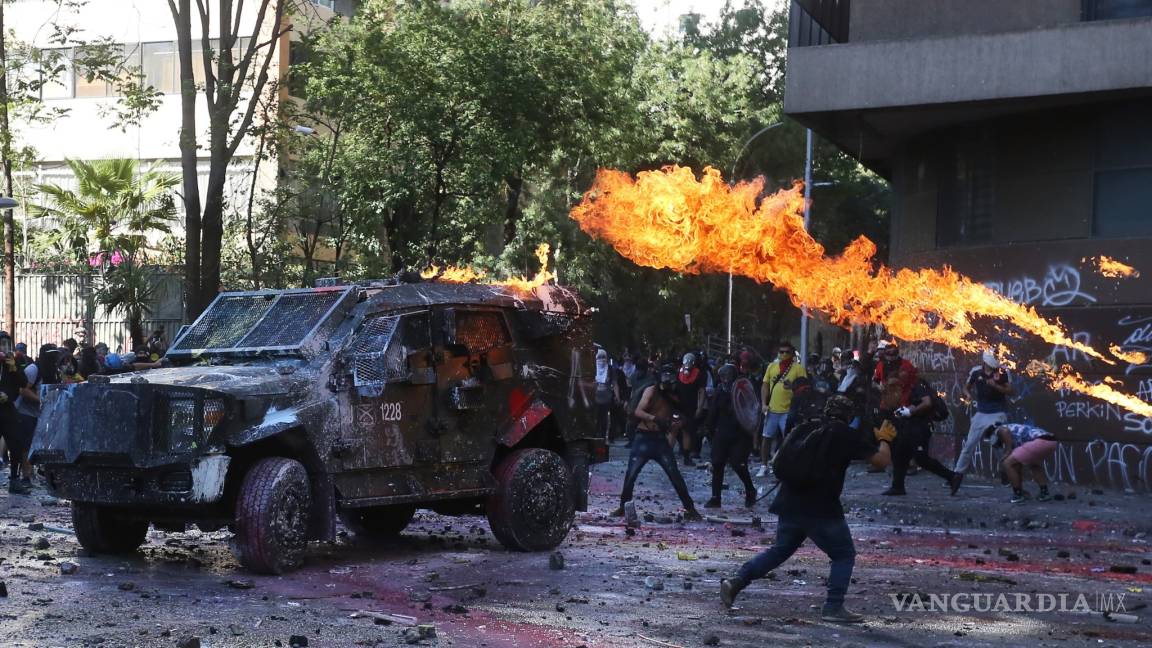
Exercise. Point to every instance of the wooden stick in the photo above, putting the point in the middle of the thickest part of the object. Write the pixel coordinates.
(400, 619)
(449, 588)
(658, 642)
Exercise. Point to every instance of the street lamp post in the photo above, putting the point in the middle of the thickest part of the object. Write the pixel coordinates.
(732, 179)
(807, 208)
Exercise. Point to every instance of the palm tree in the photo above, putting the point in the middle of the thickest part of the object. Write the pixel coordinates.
(113, 208)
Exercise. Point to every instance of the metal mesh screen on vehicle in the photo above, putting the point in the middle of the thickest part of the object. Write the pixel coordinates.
(480, 332)
(291, 318)
(370, 355)
(258, 321)
(226, 323)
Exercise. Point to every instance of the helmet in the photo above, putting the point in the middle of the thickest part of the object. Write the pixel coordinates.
(689, 359)
(840, 407)
(668, 373)
(726, 374)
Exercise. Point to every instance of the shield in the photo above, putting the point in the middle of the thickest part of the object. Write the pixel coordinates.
(746, 404)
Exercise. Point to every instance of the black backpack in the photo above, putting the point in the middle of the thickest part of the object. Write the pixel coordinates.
(939, 411)
(802, 459)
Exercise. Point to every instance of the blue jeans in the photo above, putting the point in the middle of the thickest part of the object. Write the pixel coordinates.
(831, 535)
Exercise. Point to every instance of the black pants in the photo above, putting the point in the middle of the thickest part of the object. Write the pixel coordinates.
(731, 450)
(16, 430)
(653, 446)
(912, 438)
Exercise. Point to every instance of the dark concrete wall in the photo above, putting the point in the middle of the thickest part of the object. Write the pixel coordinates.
(875, 20)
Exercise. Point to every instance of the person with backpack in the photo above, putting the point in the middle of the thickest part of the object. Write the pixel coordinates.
(990, 385)
(913, 432)
(656, 412)
(811, 466)
(731, 443)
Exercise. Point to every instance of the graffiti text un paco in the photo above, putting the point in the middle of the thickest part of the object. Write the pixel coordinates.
(1089, 410)
(1060, 286)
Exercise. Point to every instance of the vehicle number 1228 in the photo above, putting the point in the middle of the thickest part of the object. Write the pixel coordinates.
(391, 412)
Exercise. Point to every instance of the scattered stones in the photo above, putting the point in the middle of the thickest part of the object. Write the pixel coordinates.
(41, 544)
(711, 640)
(1122, 569)
(36, 526)
(297, 641)
(241, 584)
(188, 642)
(418, 634)
(1063, 554)
(68, 568)
(419, 597)
(556, 561)
(455, 608)
(126, 586)
(653, 583)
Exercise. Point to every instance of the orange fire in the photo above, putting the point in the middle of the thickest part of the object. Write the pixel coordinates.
(455, 274)
(1114, 269)
(675, 220)
(1068, 379)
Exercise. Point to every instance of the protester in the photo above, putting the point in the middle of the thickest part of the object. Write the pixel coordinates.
(691, 381)
(913, 433)
(28, 406)
(656, 411)
(894, 371)
(730, 441)
(643, 377)
(12, 383)
(67, 371)
(21, 352)
(616, 417)
(69, 345)
(776, 399)
(88, 362)
(990, 386)
(814, 511)
(606, 393)
(1026, 446)
(853, 385)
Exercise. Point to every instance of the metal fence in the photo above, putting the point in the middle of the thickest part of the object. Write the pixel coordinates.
(50, 307)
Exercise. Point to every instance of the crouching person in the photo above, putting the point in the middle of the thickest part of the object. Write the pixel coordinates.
(811, 466)
(1025, 446)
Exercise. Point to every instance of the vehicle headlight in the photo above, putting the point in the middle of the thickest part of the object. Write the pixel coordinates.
(182, 425)
(214, 411)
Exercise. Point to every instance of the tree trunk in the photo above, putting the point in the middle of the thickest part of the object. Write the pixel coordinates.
(9, 190)
(212, 235)
(515, 184)
(183, 20)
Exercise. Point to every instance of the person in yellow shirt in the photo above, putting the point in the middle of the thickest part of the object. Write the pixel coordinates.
(776, 399)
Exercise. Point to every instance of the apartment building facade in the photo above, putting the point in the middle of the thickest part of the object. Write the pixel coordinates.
(1017, 137)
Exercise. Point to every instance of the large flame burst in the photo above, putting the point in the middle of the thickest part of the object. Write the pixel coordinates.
(454, 274)
(673, 220)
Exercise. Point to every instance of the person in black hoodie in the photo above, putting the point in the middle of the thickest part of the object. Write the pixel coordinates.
(815, 512)
(731, 443)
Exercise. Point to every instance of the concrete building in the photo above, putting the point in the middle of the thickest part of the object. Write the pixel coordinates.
(146, 30)
(1017, 137)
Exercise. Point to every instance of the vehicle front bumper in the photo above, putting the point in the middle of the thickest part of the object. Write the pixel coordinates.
(196, 483)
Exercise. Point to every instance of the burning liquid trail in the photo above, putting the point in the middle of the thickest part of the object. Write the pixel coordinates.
(1114, 269)
(454, 274)
(671, 219)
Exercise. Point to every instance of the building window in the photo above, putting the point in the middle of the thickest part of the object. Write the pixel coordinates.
(161, 66)
(967, 194)
(56, 74)
(818, 22)
(1112, 9)
(1123, 188)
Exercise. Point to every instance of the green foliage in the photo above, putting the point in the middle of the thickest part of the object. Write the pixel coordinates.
(128, 288)
(112, 208)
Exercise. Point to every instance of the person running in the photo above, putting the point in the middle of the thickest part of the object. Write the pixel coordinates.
(776, 400)
(815, 512)
(1026, 446)
(655, 412)
(730, 441)
(913, 432)
(12, 383)
(990, 386)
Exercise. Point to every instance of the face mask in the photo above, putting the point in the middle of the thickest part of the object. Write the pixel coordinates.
(785, 355)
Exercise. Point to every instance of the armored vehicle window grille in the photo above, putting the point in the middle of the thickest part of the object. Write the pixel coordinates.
(291, 318)
(371, 357)
(480, 331)
(229, 320)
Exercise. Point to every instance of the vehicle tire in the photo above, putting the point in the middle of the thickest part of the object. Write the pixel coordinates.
(532, 508)
(100, 529)
(272, 516)
(378, 522)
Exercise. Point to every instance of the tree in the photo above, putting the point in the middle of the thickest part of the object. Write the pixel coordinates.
(114, 208)
(234, 80)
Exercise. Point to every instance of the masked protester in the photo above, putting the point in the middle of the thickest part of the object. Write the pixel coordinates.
(12, 382)
(68, 372)
(894, 372)
(655, 413)
(776, 398)
(28, 404)
(643, 377)
(730, 441)
(691, 382)
(913, 433)
(814, 511)
(606, 394)
(990, 386)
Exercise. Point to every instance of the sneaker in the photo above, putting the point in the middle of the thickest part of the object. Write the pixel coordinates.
(955, 481)
(712, 503)
(840, 614)
(1043, 497)
(763, 471)
(692, 515)
(749, 501)
(1018, 498)
(18, 487)
(730, 588)
(617, 512)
